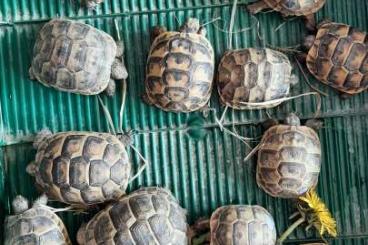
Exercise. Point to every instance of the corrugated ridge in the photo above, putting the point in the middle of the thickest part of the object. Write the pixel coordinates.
(28, 10)
(24, 102)
(210, 173)
(203, 175)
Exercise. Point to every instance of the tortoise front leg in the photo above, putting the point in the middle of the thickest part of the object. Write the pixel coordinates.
(118, 70)
(310, 23)
(257, 7)
(157, 31)
(111, 88)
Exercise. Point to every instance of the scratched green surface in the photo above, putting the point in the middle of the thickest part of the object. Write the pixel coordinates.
(203, 175)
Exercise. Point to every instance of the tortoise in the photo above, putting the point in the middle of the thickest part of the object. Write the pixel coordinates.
(289, 159)
(249, 76)
(36, 225)
(305, 8)
(180, 69)
(149, 215)
(338, 57)
(80, 168)
(78, 58)
(239, 224)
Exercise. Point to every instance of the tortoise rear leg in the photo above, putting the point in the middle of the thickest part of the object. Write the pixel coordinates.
(315, 124)
(310, 23)
(146, 99)
(118, 70)
(199, 233)
(111, 88)
(31, 74)
(257, 7)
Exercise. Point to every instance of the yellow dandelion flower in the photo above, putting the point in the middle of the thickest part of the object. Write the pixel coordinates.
(319, 215)
(315, 212)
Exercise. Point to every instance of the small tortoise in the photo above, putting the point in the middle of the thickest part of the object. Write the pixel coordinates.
(252, 75)
(338, 57)
(38, 225)
(147, 216)
(81, 168)
(180, 69)
(305, 8)
(75, 57)
(239, 224)
(289, 159)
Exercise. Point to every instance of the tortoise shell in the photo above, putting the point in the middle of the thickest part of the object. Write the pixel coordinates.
(179, 71)
(253, 75)
(74, 57)
(295, 7)
(289, 161)
(339, 57)
(147, 216)
(38, 225)
(242, 224)
(82, 168)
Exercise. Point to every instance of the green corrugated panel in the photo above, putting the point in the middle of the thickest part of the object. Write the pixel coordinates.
(21, 120)
(206, 174)
(203, 175)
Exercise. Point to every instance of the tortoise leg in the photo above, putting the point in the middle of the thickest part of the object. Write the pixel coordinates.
(310, 23)
(146, 99)
(314, 124)
(31, 74)
(111, 88)
(201, 225)
(118, 70)
(120, 49)
(202, 31)
(31, 168)
(257, 7)
(269, 123)
(345, 96)
(199, 233)
(156, 31)
(325, 21)
(302, 58)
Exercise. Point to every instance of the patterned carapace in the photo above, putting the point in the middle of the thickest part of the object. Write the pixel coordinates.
(81, 168)
(147, 216)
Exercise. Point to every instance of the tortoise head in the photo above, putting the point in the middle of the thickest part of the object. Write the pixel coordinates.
(308, 42)
(41, 136)
(191, 26)
(20, 204)
(292, 119)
